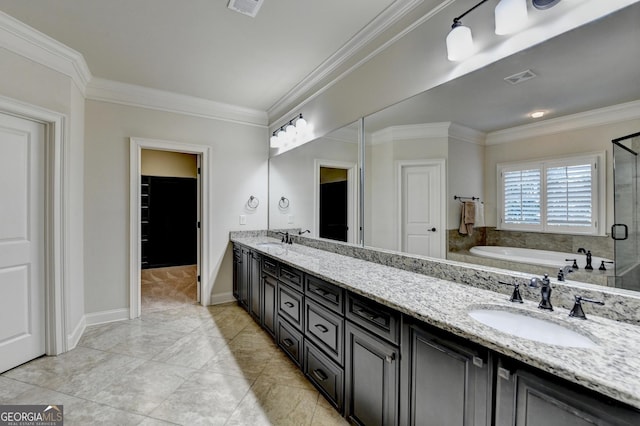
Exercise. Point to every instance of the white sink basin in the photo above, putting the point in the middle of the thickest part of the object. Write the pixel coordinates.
(268, 245)
(531, 328)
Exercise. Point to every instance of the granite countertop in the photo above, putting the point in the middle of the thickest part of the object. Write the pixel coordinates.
(611, 368)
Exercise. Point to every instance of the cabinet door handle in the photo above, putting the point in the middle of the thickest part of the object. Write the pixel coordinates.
(320, 375)
(390, 358)
(288, 304)
(321, 328)
(288, 342)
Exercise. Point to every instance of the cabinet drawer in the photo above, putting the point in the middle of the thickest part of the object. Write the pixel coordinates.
(291, 276)
(325, 293)
(290, 305)
(326, 329)
(290, 341)
(374, 317)
(270, 266)
(325, 374)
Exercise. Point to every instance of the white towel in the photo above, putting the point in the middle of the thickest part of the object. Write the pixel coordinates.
(479, 214)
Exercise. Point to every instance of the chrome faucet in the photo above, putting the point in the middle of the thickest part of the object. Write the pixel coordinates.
(545, 293)
(588, 254)
(286, 239)
(563, 272)
(304, 232)
(577, 311)
(515, 296)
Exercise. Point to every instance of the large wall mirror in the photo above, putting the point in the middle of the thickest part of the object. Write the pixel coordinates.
(315, 186)
(425, 156)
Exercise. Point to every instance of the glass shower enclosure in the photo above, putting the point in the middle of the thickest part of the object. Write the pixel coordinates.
(625, 230)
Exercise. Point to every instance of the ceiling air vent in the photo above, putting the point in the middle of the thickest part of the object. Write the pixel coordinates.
(246, 7)
(520, 77)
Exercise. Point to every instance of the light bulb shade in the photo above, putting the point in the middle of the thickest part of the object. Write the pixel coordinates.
(290, 129)
(301, 123)
(459, 43)
(511, 16)
(274, 142)
(282, 138)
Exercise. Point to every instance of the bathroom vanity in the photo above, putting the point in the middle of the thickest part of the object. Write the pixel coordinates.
(391, 347)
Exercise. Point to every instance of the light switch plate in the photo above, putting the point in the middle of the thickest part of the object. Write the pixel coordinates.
(243, 219)
(290, 221)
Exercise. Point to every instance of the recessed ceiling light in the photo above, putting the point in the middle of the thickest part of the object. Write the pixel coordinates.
(537, 114)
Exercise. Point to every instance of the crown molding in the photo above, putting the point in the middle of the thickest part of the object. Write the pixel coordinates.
(378, 25)
(23, 40)
(144, 97)
(467, 134)
(593, 118)
(411, 131)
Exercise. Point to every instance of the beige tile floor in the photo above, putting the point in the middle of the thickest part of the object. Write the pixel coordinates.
(180, 363)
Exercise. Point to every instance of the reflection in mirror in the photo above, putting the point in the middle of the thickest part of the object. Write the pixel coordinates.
(482, 120)
(319, 182)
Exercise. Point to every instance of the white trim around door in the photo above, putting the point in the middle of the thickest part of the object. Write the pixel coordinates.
(57, 229)
(136, 147)
(352, 195)
(441, 164)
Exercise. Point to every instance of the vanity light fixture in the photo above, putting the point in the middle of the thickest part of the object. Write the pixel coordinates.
(460, 40)
(510, 17)
(288, 132)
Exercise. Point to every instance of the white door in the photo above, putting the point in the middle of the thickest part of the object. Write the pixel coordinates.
(421, 209)
(22, 323)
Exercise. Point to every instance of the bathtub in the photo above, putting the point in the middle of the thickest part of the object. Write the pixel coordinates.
(537, 257)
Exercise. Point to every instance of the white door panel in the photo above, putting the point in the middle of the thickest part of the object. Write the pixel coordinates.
(22, 324)
(421, 209)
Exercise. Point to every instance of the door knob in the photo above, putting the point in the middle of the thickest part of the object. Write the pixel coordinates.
(432, 230)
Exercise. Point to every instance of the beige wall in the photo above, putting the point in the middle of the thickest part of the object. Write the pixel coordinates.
(28, 82)
(169, 164)
(238, 169)
(585, 140)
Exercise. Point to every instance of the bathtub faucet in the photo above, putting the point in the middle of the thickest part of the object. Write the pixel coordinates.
(588, 254)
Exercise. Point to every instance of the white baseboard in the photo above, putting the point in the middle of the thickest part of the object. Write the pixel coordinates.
(74, 337)
(107, 316)
(217, 299)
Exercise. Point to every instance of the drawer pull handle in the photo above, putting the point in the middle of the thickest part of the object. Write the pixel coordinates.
(321, 292)
(320, 375)
(364, 313)
(288, 342)
(390, 358)
(288, 304)
(321, 328)
(291, 276)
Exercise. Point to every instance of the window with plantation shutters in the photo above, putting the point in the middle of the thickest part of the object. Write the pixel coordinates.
(522, 196)
(570, 195)
(557, 196)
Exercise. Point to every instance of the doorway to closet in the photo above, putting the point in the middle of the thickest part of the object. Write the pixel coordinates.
(169, 229)
(168, 206)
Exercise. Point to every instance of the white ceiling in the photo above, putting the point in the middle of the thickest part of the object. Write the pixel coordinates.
(200, 47)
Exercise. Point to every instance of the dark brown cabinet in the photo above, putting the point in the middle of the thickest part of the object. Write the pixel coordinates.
(445, 381)
(269, 292)
(525, 398)
(255, 286)
(372, 371)
(378, 367)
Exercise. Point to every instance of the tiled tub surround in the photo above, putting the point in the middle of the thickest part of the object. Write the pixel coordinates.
(612, 368)
(459, 246)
